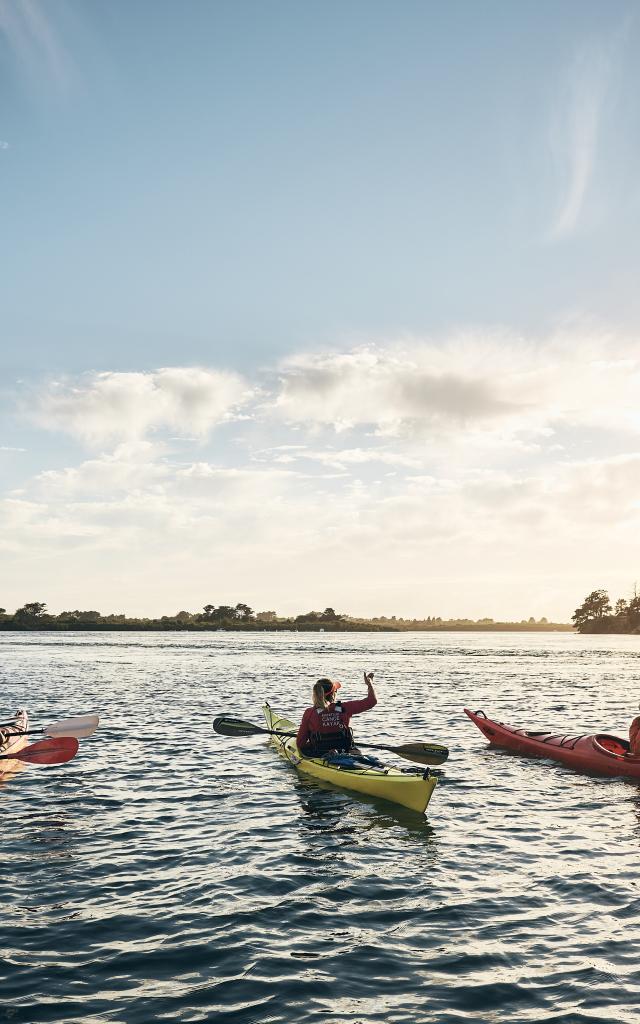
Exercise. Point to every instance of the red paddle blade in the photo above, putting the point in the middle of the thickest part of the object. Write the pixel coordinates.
(48, 751)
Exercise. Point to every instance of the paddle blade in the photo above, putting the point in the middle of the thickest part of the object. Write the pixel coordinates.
(47, 751)
(423, 753)
(228, 726)
(80, 727)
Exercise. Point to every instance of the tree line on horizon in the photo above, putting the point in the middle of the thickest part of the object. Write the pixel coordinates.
(34, 616)
(597, 615)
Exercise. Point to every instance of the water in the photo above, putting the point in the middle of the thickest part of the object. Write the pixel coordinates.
(152, 879)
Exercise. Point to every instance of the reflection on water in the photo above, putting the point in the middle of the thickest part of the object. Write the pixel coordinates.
(634, 803)
(168, 874)
(46, 834)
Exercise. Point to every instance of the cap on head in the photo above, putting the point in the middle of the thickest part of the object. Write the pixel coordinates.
(329, 686)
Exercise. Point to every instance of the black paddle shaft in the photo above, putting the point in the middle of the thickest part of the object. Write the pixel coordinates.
(422, 753)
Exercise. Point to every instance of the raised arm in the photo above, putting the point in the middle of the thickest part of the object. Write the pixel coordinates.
(354, 707)
(368, 678)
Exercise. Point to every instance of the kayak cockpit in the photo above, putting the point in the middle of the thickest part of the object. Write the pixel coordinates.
(612, 744)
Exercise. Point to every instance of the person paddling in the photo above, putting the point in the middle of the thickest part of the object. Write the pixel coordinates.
(324, 728)
(634, 737)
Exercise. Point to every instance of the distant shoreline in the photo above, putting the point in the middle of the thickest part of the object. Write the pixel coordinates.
(34, 617)
(498, 627)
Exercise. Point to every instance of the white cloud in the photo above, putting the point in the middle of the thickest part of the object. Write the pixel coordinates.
(36, 43)
(112, 406)
(133, 466)
(337, 458)
(391, 386)
(493, 392)
(576, 128)
(465, 462)
(483, 392)
(246, 532)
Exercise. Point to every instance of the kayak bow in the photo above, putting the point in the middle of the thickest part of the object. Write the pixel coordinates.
(409, 788)
(600, 753)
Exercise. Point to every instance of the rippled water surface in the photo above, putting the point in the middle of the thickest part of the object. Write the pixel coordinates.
(168, 874)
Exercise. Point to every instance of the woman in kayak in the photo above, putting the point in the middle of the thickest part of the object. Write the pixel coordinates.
(324, 728)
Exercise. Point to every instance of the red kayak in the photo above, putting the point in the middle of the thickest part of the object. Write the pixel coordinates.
(602, 754)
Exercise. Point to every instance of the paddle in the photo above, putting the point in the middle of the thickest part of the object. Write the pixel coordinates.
(421, 753)
(46, 751)
(80, 727)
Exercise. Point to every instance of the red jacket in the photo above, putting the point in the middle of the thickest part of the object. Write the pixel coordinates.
(634, 736)
(331, 719)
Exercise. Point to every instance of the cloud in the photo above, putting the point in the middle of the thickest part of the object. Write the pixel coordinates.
(293, 537)
(111, 406)
(36, 43)
(495, 392)
(576, 128)
(477, 396)
(337, 458)
(492, 393)
(133, 466)
(3, 144)
(421, 469)
(390, 386)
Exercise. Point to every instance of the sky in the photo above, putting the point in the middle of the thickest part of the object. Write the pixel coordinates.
(320, 304)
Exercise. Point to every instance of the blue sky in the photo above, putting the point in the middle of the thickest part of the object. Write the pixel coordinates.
(400, 235)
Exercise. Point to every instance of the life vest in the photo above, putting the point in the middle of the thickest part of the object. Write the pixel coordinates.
(333, 734)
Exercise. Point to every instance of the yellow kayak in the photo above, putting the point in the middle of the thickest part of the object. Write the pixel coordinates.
(410, 789)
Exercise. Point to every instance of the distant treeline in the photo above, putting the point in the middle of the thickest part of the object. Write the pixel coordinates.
(34, 616)
(598, 615)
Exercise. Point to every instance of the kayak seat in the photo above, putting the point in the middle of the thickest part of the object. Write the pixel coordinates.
(613, 744)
